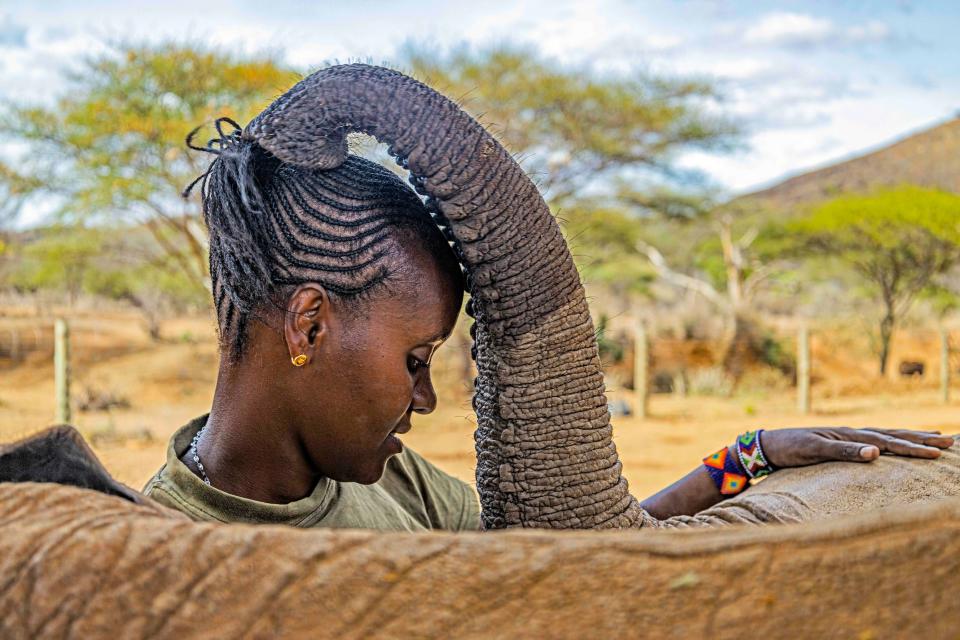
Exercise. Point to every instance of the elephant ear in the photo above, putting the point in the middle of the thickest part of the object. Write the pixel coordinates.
(545, 456)
(60, 455)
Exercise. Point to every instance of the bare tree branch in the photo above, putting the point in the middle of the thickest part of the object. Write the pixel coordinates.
(681, 279)
(757, 278)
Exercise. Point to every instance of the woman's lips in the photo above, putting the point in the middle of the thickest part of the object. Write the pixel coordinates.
(393, 441)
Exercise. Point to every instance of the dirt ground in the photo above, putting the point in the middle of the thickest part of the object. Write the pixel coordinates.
(168, 383)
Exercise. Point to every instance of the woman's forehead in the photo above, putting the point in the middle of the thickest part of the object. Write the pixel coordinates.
(429, 312)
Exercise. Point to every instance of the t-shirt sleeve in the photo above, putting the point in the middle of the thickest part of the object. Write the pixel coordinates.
(159, 489)
(470, 514)
(450, 504)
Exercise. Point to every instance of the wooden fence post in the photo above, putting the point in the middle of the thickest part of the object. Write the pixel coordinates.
(944, 365)
(61, 366)
(14, 345)
(641, 370)
(803, 370)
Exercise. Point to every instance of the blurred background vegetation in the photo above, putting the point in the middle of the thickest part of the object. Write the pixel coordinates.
(873, 242)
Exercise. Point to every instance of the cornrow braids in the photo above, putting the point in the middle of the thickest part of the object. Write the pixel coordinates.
(273, 225)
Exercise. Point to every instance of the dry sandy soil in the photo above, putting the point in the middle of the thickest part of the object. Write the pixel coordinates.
(170, 382)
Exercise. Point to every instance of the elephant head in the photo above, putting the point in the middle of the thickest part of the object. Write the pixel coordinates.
(545, 456)
(60, 455)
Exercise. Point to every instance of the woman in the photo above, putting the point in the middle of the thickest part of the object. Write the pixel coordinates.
(334, 287)
(333, 290)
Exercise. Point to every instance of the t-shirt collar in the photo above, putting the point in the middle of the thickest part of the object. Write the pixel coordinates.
(230, 508)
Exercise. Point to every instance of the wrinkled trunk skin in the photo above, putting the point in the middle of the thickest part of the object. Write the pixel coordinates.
(545, 457)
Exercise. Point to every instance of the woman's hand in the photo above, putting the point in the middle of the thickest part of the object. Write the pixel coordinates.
(799, 447)
(795, 448)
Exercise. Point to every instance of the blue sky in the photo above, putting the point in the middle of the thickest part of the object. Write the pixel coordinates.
(812, 81)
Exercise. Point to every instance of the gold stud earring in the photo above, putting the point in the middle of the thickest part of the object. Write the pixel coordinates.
(299, 360)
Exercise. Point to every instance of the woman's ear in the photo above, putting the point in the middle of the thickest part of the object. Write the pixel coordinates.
(306, 322)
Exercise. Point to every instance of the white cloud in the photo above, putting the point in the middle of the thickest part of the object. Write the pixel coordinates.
(786, 29)
(659, 42)
(789, 29)
(733, 68)
(774, 92)
(35, 72)
(853, 126)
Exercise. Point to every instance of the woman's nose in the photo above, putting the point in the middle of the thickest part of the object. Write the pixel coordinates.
(424, 396)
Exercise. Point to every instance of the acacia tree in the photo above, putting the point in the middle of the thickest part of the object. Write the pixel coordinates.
(573, 127)
(13, 189)
(898, 240)
(111, 148)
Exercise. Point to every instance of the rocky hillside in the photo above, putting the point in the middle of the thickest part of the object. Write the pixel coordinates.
(930, 158)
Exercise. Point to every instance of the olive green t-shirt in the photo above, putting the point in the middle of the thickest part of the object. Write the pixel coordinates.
(412, 495)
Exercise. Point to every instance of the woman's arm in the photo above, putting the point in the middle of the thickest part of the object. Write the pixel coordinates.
(796, 448)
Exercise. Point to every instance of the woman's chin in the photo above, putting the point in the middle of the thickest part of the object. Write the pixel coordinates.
(391, 446)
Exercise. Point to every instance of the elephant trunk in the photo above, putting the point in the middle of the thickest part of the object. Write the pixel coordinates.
(545, 456)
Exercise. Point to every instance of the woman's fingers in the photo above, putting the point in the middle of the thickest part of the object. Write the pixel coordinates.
(848, 451)
(901, 447)
(929, 438)
(883, 442)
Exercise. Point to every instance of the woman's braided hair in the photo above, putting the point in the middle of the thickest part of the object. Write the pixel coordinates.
(274, 225)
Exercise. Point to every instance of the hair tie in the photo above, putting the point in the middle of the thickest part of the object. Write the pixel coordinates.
(215, 146)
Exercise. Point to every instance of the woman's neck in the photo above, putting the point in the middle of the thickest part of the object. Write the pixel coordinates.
(248, 448)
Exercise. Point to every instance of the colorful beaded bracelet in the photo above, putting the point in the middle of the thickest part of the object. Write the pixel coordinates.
(726, 472)
(732, 473)
(750, 453)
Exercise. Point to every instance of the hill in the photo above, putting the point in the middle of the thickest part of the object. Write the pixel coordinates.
(929, 158)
